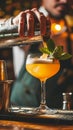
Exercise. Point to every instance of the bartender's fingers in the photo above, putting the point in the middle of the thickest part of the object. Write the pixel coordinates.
(21, 24)
(42, 20)
(30, 24)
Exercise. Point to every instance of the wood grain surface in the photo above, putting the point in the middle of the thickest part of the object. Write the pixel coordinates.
(15, 125)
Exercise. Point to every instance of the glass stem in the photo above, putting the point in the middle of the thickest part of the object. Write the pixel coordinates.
(43, 93)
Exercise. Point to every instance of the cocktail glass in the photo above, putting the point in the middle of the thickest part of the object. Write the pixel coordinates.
(42, 67)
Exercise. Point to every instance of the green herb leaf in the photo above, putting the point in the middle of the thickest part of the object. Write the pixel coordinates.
(55, 52)
(50, 45)
(58, 51)
(65, 56)
(44, 50)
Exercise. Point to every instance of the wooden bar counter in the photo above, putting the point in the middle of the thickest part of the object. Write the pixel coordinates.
(16, 121)
(16, 125)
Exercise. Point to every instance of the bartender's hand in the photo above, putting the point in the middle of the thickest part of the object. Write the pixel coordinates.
(26, 21)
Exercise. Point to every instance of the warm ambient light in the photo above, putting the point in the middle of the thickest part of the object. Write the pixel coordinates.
(58, 27)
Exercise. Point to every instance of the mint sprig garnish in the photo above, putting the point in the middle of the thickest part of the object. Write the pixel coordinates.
(55, 51)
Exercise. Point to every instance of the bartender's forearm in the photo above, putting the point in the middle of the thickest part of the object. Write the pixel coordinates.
(6, 25)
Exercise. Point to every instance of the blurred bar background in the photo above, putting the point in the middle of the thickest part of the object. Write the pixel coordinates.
(10, 8)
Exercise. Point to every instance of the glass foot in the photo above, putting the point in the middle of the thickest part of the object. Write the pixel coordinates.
(42, 110)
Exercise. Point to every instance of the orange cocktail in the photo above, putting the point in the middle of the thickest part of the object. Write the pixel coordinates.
(43, 69)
